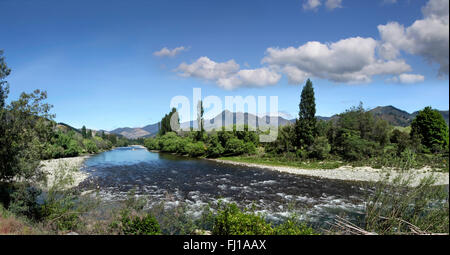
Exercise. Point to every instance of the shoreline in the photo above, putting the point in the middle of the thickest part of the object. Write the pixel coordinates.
(64, 168)
(345, 173)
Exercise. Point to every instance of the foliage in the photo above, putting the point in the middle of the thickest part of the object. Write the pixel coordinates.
(320, 148)
(165, 124)
(195, 149)
(431, 128)
(394, 206)
(306, 123)
(90, 146)
(230, 220)
(140, 225)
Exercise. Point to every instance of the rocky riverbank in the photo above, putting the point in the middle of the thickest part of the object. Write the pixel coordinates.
(348, 173)
(64, 171)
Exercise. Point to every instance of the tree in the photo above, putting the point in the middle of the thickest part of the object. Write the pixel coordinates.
(200, 120)
(430, 127)
(89, 134)
(165, 125)
(306, 123)
(83, 132)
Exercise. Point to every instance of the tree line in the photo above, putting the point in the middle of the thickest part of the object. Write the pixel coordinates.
(355, 135)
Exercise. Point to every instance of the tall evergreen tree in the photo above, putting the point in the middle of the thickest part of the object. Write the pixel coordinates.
(165, 125)
(89, 134)
(306, 123)
(200, 112)
(83, 132)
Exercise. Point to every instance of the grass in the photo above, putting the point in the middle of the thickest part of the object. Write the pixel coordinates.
(10, 224)
(283, 162)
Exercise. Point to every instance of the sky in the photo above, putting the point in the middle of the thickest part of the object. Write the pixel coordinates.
(109, 64)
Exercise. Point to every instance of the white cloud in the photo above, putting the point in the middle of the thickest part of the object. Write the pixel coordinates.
(407, 78)
(427, 37)
(205, 68)
(311, 4)
(227, 74)
(333, 4)
(350, 60)
(166, 52)
(260, 77)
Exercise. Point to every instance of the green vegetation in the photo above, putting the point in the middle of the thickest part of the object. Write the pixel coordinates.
(230, 220)
(396, 208)
(355, 137)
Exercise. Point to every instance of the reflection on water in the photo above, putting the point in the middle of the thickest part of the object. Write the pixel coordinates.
(196, 182)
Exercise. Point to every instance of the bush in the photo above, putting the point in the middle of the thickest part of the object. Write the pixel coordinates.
(401, 139)
(215, 150)
(136, 225)
(293, 227)
(234, 146)
(73, 149)
(169, 142)
(350, 146)
(195, 149)
(320, 148)
(230, 220)
(152, 143)
(23, 201)
(90, 146)
(249, 148)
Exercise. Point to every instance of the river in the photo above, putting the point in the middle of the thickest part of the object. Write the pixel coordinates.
(196, 182)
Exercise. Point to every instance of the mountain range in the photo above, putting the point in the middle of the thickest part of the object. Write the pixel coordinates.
(394, 116)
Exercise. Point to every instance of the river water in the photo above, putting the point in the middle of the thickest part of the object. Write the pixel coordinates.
(197, 182)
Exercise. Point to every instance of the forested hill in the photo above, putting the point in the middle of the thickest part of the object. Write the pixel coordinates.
(397, 117)
(393, 115)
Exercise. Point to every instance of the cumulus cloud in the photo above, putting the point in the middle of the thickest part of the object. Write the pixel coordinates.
(166, 52)
(333, 4)
(351, 60)
(260, 77)
(427, 37)
(228, 74)
(311, 4)
(407, 78)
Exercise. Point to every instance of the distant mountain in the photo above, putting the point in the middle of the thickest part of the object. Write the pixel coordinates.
(227, 118)
(394, 116)
(397, 117)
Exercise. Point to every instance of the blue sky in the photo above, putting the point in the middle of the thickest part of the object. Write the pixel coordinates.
(99, 61)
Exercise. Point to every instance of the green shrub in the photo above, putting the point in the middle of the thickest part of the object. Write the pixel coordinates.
(234, 146)
(152, 143)
(293, 227)
(136, 225)
(230, 220)
(195, 149)
(249, 148)
(320, 148)
(73, 149)
(90, 146)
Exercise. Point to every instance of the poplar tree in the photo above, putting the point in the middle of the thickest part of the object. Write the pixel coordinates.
(306, 123)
